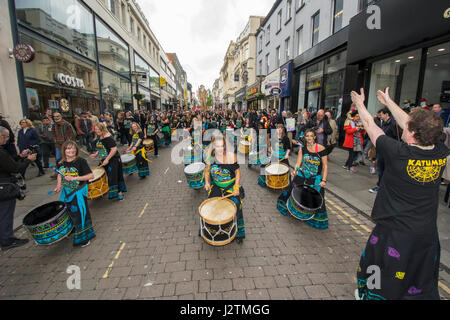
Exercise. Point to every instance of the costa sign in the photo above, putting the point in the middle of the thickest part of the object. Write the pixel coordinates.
(23, 52)
(69, 81)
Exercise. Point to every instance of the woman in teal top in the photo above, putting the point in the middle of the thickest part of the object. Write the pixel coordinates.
(223, 177)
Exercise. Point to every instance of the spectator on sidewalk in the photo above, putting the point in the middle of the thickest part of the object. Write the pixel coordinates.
(323, 129)
(47, 143)
(29, 139)
(9, 166)
(86, 131)
(390, 128)
(333, 138)
(62, 131)
(10, 144)
(354, 140)
(93, 118)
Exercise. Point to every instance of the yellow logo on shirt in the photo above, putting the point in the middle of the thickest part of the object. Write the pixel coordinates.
(426, 171)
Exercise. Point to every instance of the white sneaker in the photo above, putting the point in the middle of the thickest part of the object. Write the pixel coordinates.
(85, 245)
(373, 170)
(357, 295)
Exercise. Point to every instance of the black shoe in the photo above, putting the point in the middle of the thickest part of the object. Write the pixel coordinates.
(239, 240)
(14, 243)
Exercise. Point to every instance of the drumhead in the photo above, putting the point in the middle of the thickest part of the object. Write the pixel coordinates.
(218, 211)
(245, 143)
(277, 169)
(43, 214)
(98, 173)
(127, 158)
(195, 168)
(307, 197)
(147, 142)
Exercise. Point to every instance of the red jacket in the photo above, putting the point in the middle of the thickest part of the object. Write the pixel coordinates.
(349, 135)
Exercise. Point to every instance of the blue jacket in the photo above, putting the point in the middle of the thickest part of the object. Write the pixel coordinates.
(31, 138)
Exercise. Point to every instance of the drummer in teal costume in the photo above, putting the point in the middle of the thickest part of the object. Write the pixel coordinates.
(280, 152)
(223, 177)
(73, 177)
(311, 170)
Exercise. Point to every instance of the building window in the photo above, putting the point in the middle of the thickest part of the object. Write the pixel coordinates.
(436, 85)
(300, 40)
(315, 28)
(400, 73)
(260, 68)
(267, 63)
(131, 25)
(338, 15)
(288, 10)
(112, 6)
(277, 57)
(287, 49)
(279, 20)
(246, 52)
(299, 4)
(139, 33)
(123, 13)
(268, 34)
(260, 42)
(48, 19)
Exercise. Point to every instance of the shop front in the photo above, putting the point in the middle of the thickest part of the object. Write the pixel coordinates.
(321, 84)
(59, 81)
(254, 97)
(413, 61)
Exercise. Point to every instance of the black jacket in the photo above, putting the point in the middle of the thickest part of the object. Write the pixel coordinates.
(10, 165)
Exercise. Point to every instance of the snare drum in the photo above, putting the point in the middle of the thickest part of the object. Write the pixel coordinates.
(129, 164)
(244, 147)
(98, 186)
(195, 175)
(218, 221)
(304, 202)
(277, 176)
(49, 224)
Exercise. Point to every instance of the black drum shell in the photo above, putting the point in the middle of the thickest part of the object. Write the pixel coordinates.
(307, 198)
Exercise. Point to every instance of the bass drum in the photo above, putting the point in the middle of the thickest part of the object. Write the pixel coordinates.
(304, 202)
(49, 224)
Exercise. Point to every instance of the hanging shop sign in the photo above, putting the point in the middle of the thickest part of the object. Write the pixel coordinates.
(285, 79)
(275, 91)
(24, 52)
(69, 81)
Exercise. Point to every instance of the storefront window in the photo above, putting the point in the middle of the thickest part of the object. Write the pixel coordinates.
(154, 81)
(314, 78)
(436, 87)
(59, 81)
(334, 83)
(116, 92)
(141, 66)
(112, 51)
(67, 22)
(302, 90)
(400, 74)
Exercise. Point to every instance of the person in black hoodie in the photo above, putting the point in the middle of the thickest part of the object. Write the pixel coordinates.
(10, 165)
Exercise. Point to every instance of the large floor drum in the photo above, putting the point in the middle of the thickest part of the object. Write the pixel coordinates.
(218, 221)
(304, 202)
(49, 224)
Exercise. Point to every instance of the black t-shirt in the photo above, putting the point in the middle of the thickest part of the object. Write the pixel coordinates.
(109, 143)
(409, 195)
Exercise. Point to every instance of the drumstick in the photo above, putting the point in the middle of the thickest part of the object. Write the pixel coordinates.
(228, 196)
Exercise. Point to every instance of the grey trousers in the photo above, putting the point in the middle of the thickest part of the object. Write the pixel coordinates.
(7, 219)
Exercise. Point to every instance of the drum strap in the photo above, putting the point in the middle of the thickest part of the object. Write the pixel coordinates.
(143, 153)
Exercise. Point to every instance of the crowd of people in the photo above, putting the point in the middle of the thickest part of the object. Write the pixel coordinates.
(406, 144)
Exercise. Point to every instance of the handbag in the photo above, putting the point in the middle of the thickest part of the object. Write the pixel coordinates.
(10, 191)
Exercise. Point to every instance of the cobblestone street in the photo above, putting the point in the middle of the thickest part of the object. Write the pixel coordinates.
(147, 247)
